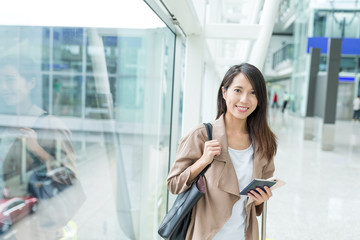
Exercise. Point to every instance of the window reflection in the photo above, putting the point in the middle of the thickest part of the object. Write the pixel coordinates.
(338, 23)
(99, 104)
(38, 163)
(67, 53)
(66, 95)
(96, 104)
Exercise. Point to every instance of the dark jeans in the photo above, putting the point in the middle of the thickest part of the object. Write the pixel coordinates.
(275, 104)
(356, 114)
(284, 106)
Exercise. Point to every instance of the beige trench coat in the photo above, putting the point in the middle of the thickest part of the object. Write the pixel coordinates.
(222, 189)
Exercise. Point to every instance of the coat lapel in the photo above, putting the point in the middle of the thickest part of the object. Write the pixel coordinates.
(228, 181)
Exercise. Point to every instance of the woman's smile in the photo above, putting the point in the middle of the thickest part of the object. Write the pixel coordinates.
(241, 108)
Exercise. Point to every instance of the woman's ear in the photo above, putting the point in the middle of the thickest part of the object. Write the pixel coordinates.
(223, 92)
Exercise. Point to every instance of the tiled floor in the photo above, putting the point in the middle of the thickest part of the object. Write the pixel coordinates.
(322, 198)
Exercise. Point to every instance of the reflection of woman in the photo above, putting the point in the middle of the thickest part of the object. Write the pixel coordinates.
(35, 143)
(243, 148)
(41, 142)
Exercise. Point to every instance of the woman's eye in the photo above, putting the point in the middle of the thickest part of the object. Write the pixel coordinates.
(253, 92)
(237, 90)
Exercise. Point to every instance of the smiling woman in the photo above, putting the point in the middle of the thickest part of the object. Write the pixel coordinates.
(243, 147)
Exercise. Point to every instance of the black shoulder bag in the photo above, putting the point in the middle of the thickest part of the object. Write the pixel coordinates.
(176, 222)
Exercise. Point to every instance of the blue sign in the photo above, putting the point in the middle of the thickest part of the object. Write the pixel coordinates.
(349, 46)
(346, 79)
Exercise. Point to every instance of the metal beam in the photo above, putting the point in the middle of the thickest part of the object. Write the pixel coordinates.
(184, 14)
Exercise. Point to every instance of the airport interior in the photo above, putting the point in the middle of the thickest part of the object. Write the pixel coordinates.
(95, 97)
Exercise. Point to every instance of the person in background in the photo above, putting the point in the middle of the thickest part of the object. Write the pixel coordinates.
(275, 103)
(285, 102)
(356, 107)
(243, 148)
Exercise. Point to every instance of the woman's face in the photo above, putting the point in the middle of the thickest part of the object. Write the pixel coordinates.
(14, 89)
(240, 97)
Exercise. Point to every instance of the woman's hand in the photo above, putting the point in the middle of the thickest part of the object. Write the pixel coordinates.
(31, 139)
(33, 145)
(211, 149)
(261, 196)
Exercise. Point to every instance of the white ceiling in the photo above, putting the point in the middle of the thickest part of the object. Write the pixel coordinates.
(227, 52)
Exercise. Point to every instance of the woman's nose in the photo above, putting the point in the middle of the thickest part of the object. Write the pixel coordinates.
(243, 97)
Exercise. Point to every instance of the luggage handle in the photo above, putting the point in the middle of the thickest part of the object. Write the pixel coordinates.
(263, 222)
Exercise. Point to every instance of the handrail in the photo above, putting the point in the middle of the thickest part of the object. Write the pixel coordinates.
(286, 52)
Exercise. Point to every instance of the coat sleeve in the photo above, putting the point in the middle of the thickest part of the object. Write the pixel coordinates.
(189, 151)
(268, 172)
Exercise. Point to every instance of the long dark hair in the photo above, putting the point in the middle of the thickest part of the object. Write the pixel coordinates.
(262, 138)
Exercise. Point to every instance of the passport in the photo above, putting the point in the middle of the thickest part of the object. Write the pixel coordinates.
(257, 183)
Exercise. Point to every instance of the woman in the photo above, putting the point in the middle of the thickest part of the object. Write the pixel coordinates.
(243, 148)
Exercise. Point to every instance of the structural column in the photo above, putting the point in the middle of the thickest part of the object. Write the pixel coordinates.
(313, 72)
(333, 67)
(210, 87)
(260, 48)
(193, 82)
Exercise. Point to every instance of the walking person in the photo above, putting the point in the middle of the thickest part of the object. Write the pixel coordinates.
(243, 148)
(285, 102)
(356, 107)
(275, 103)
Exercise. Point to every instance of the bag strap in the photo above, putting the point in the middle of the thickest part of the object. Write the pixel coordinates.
(209, 130)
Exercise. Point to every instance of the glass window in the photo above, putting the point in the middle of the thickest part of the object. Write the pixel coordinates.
(320, 23)
(336, 23)
(67, 50)
(323, 63)
(12, 205)
(66, 91)
(348, 64)
(45, 61)
(344, 24)
(45, 94)
(85, 128)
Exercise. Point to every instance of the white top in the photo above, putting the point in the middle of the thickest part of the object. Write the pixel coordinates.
(356, 104)
(235, 227)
